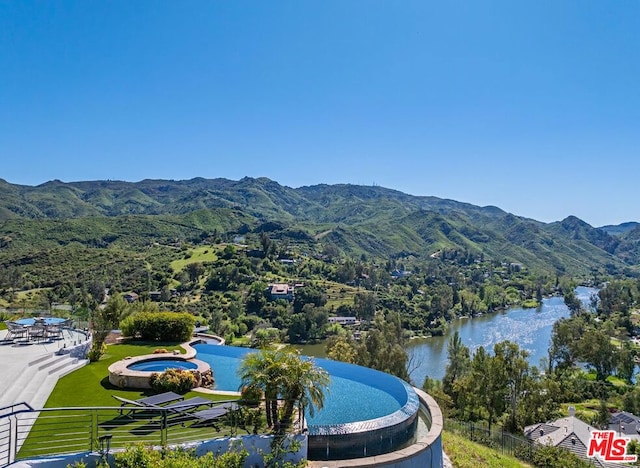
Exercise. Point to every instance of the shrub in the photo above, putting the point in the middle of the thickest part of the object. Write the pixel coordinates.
(96, 351)
(138, 456)
(159, 326)
(173, 380)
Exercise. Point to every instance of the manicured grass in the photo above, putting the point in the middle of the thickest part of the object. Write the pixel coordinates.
(69, 430)
(89, 386)
(198, 254)
(3, 326)
(466, 454)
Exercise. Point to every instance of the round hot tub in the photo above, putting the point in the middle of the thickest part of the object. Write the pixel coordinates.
(135, 372)
(161, 365)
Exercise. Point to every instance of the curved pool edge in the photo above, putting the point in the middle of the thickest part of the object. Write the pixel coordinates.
(426, 451)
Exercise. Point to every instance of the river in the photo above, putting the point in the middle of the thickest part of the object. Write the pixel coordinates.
(529, 328)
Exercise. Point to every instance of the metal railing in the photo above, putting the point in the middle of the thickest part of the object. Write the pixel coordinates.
(496, 437)
(28, 433)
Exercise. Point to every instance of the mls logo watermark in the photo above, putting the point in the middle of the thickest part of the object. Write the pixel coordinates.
(606, 446)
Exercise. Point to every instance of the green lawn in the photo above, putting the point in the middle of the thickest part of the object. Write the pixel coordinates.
(89, 386)
(75, 430)
(198, 254)
(466, 454)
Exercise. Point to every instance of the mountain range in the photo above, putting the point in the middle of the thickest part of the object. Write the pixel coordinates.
(371, 220)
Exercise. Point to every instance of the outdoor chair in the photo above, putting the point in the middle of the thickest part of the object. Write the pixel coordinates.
(38, 332)
(16, 332)
(53, 332)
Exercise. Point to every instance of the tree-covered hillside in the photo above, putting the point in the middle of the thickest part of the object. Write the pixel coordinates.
(356, 220)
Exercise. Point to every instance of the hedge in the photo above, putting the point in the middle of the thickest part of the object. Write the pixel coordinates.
(159, 326)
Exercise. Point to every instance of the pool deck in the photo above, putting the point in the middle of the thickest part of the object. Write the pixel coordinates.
(30, 371)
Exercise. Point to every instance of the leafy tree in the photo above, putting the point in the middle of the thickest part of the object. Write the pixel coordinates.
(565, 336)
(342, 348)
(105, 319)
(513, 361)
(486, 384)
(596, 349)
(308, 295)
(364, 305)
(626, 364)
(457, 366)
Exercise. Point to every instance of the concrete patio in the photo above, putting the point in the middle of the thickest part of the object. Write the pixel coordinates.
(30, 371)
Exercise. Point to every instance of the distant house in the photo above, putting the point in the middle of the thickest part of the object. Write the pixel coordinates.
(625, 424)
(400, 273)
(130, 297)
(343, 320)
(570, 433)
(280, 291)
(155, 296)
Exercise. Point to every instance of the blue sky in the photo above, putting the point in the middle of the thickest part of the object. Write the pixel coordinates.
(532, 106)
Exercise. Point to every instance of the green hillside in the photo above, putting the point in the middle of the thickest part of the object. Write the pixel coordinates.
(125, 217)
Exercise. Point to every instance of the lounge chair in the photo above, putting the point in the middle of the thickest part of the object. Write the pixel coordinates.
(210, 415)
(154, 401)
(190, 404)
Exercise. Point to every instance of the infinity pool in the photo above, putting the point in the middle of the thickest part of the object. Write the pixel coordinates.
(355, 394)
(365, 413)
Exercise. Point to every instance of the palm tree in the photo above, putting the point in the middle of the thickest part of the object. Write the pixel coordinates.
(284, 373)
(260, 371)
(304, 384)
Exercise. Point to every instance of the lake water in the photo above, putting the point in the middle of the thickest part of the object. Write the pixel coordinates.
(529, 328)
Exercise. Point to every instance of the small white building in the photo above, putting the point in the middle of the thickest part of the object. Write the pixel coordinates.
(343, 320)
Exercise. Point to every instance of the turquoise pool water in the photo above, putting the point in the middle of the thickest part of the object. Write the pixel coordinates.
(355, 394)
(161, 365)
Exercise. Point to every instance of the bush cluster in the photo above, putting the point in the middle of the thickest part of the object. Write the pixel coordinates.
(159, 326)
(173, 380)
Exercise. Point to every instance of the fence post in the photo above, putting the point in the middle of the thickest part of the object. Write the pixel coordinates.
(93, 430)
(163, 429)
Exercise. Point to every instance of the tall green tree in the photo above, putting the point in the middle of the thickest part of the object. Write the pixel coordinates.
(486, 384)
(458, 361)
(513, 361)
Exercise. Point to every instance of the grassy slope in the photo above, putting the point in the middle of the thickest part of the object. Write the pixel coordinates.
(466, 454)
(199, 254)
